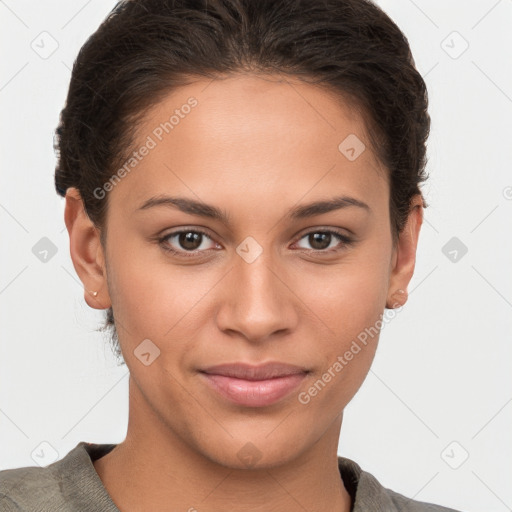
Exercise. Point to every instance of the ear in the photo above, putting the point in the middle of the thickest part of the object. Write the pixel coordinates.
(86, 251)
(404, 255)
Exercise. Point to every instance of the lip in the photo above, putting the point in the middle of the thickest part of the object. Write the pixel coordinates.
(254, 385)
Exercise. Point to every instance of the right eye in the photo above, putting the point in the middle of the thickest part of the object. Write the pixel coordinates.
(187, 242)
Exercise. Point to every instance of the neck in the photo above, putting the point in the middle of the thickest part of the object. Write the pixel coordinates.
(155, 469)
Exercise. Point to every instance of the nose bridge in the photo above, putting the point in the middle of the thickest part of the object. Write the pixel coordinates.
(257, 278)
(258, 303)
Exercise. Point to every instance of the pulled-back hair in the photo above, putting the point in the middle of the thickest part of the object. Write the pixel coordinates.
(144, 49)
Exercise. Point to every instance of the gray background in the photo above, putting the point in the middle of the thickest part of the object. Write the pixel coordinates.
(434, 416)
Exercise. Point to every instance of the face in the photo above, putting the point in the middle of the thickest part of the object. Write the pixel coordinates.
(266, 279)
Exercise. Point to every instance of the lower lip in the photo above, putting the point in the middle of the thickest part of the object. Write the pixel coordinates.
(254, 393)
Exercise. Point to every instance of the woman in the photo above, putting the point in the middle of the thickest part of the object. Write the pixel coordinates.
(242, 197)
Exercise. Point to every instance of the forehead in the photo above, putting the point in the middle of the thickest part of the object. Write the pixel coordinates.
(265, 137)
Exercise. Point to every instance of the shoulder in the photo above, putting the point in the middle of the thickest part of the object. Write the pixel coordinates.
(20, 487)
(58, 486)
(369, 494)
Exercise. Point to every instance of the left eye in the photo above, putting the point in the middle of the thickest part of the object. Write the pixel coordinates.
(323, 240)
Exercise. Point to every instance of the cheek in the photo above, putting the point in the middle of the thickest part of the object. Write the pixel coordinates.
(350, 304)
(347, 352)
(160, 301)
(349, 296)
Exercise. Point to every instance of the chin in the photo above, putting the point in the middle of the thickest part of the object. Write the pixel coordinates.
(253, 449)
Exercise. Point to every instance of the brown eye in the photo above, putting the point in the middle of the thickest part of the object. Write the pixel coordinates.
(326, 241)
(187, 242)
(320, 241)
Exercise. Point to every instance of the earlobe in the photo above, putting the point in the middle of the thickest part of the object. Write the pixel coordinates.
(397, 299)
(404, 258)
(86, 251)
(90, 297)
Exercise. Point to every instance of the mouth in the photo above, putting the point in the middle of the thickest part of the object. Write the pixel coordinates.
(253, 386)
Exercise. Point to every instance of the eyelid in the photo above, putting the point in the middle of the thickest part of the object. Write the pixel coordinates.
(343, 232)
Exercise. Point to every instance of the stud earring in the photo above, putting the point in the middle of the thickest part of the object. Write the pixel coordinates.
(94, 294)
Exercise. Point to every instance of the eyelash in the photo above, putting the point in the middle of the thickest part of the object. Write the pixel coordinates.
(347, 242)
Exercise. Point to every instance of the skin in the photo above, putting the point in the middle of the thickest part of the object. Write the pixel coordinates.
(256, 147)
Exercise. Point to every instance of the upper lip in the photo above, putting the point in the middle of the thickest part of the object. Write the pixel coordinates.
(254, 372)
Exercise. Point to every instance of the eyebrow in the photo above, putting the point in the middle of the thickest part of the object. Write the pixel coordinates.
(193, 207)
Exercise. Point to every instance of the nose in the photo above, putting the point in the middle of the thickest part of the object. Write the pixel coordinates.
(257, 300)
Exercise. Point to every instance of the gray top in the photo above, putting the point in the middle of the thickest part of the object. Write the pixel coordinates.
(72, 484)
